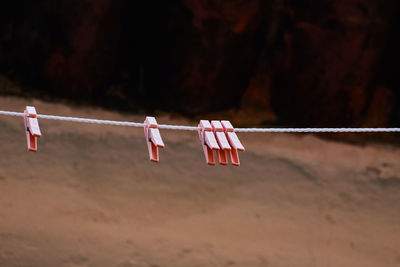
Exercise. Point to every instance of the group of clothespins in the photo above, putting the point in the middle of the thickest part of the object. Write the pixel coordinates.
(217, 136)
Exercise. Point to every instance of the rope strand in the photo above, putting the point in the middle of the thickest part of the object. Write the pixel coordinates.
(195, 128)
(316, 130)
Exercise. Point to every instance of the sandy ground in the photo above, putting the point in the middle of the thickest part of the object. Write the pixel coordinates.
(90, 197)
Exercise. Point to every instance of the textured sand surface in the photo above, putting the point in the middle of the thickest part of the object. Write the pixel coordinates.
(90, 197)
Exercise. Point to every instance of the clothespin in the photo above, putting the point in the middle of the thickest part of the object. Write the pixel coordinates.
(153, 138)
(208, 141)
(31, 127)
(234, 141)
(222, 142)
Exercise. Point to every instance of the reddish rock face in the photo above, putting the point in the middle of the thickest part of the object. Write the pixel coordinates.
(65, 47)
(328, 65)
(218, 53)
(85, 62)
(311, 63)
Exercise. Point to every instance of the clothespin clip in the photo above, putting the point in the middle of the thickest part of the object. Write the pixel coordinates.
(31, 127)
(234, 141)
(153, 138)
(222, 142)
(208, 141)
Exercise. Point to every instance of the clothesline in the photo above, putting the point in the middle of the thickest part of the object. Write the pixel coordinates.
(195, 128)
(217, 136)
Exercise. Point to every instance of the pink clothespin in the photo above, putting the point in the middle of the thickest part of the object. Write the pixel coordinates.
(234, 141)
(31, 127)
(153, 138)
(222, 142)
(208, 141)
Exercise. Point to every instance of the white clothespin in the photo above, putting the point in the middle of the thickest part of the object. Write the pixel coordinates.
(31, 127)
(234, 141)
(208, 141)
(222, 142)
(153, 138)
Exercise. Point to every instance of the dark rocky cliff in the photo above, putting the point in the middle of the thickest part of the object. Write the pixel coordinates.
(325, 63)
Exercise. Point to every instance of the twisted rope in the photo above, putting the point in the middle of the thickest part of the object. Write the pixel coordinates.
(195, 128)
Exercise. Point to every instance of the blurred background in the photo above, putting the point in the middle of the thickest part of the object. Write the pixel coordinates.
(300, 63)
(90, 196)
